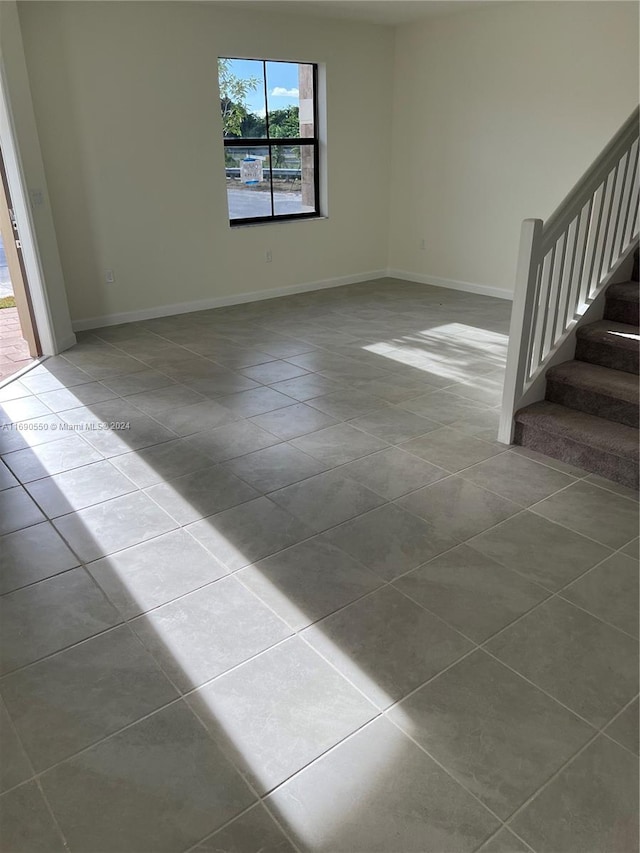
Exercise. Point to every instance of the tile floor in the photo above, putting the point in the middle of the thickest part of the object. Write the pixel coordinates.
(295, 597)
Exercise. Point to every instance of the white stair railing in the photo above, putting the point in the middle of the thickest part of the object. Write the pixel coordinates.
(564, 263)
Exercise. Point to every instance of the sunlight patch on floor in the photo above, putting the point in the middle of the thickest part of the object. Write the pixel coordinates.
(450, 351)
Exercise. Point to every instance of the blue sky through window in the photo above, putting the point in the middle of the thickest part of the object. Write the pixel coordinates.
(282, 84)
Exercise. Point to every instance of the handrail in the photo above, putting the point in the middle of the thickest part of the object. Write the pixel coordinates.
(591, 179)
(564, 263)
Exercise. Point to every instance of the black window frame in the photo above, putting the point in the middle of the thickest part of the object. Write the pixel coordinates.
(269, 143)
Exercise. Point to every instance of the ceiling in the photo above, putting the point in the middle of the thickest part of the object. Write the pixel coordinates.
(389, 12)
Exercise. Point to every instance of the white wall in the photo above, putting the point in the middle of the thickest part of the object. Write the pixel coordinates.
(497, 112)
(449, 131)
(125, 96)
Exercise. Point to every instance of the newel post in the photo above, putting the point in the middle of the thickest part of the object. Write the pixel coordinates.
(521, 327)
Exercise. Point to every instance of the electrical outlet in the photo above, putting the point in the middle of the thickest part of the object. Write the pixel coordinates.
(423, 244)
(269, 256)
(109, 277)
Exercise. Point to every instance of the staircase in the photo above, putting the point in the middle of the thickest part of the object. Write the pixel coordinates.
(583, 411)
(589, 416)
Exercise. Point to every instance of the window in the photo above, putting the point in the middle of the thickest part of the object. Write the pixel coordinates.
(270, 130)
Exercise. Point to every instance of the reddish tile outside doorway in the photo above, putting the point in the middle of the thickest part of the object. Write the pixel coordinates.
(14, 350)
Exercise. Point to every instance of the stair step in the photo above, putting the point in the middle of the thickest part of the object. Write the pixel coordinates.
(629, 291)
(623, 303)
(597, 390)
(609, 344)
(595, 444)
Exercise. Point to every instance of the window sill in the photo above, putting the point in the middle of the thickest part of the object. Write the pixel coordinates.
(234, 225)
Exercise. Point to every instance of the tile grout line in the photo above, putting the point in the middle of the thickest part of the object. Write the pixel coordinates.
(259, 799)
(259, 804)
(552, 593)
(452, 777)
(33, 778)
(508, 829)
(480, 647)
(181, 696)
(52, 813)
(551, 778)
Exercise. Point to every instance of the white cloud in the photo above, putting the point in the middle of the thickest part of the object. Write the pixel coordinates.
(281, 92)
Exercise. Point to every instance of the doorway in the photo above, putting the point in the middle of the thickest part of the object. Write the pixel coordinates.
(19, 341)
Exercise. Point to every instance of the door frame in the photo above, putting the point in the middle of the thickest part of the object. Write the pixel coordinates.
(13, 250)
(41, 310)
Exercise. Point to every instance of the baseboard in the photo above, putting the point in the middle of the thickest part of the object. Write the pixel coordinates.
(64, 344)
(220, 301)
(451, 284)
(256, 296)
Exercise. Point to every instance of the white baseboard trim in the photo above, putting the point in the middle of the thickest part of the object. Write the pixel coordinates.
(63, 344)
(220, 301)
(451, 284)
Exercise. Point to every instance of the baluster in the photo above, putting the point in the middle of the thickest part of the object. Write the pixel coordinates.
(594, 230)
(556, 290)
(632, 175)
(585, 227)
(567, 279)
(602, 236)
(545, 299)
(532, 354)
(616, 198)
(632, 207)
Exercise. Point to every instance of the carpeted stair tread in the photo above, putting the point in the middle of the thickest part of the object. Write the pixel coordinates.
(588, 430)
(596, 390)
(591, 413)
(623, 303)
(625, 291)
(610, 344)
(598, 379)
(620, 335)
